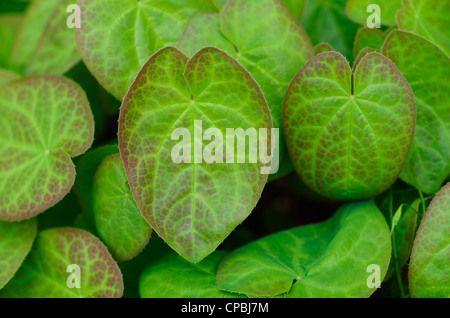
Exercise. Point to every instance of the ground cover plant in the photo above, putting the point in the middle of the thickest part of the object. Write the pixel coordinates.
(224, 148)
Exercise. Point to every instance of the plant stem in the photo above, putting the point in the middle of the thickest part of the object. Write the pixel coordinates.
(423, 202)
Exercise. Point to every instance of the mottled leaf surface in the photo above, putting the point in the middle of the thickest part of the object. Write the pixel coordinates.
(322, 47)
(425, 67)
(16, 239)
(44, 272)
(429, 273)
(327, 259)
(117, 217)
(349, 133)
(119, 36)
(192, 206)
(45, 121)
(173, 277)
(259, 47)
(428, 18)
(357, 10)
(326, 21)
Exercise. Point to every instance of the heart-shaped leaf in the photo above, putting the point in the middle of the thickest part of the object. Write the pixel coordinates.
(428, 163)
(117, 218)
(173, 277)
(45, 121)
(45, 45)
(428, 18)
(259, 47)
(16, 240)
(118, 37)
(328, 259)
(349, 133)
(192, 206)
(46, 271)
(326, 21)
(296, 7)
(357, 10)
(429, 273)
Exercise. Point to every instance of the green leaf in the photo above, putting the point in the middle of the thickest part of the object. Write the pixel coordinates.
(192, 206)
(7, 77)
(425, 66)
(367, 37)
(45, 121)
(44, 44)
(16, 240)
(357, 10)
(259, 46)
(118, 37)
(45, 271)
(428, 18)
(328, 259)
(429, 273)
(86, 168)
(349, 133)
(117, 218)
(9, 23)
(173, 277)
(322, 47)
(296, 7)
(326, 21)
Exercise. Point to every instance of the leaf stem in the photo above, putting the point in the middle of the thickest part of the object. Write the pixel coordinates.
(423, 202)
(394, 245)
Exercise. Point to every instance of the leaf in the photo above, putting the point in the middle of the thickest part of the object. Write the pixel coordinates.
(372, 38)
(57, 49)
(118, 37)
(117, 218)
(259, 46)
(45, 121)
(86, 168)
(429, 273)
(45, 271)
(296, 7)
(357, 10)
(16, 240)
(173, 277)
(349, 134)
(9, 24)
(7, 77)
(328, 259)
(326, 21)
(428, 163)
(192, 206)
(322, 47)
(427, 18)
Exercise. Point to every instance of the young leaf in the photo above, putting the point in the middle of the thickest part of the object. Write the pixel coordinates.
(429, 273)
(428, 18)
(425, 67)
(45, 121)
(322, 47)
(326, 21)
(16, 240)
(328, 259)
(47, 273)
(86, 168)
(119, 36)
(357, 10)
(173, 277)
(349, 134)
(192, 206)
(259, 47)
(117, 218)
(372, 38)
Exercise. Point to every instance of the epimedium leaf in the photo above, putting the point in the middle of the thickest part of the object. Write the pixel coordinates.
(322, 47)
(192, 206)
(357, 10)
(429, 273)
(372, 38)
(173, 277)
(16, 239)
(118, 37)
(327, 259)
(296, 7)
(428, 163)
(9, 24)
(259, 47)
(117, 217)
(46, 271)
(326, 21)
(426, 18)
(86, 167)
(45, 121)
(349, 133)
(7, 77)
